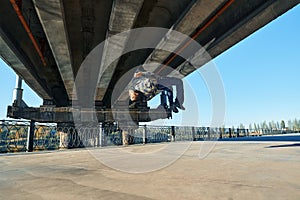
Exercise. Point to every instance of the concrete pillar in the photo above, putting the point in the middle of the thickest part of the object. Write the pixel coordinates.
(125, 137)
(99, 136)
(63, 139)
(30, 136)
(18, 93)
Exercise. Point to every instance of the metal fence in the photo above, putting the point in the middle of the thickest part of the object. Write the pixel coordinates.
(14, 135)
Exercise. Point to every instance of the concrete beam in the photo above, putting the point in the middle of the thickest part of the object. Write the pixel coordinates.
(53, 114)
(247, 22)
(122, 18)
(51, 17)
(154, 13)
(14, 31)
(10, 58)
(193, 16)
(86, 23)
(261, 16)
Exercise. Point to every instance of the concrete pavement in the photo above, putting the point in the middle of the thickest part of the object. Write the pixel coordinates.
(232, 170)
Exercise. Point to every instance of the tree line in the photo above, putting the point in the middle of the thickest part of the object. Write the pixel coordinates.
(291, 125)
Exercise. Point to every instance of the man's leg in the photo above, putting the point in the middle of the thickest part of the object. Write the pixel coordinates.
(169, 93)
(168, 82)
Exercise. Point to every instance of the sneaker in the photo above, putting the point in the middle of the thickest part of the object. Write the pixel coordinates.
(174, 109)
(178, 105)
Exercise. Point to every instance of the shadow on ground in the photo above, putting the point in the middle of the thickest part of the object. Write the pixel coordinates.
(285, 145)
(268, 138)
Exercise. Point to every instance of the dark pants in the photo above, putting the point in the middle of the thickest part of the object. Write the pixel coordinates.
(168, 92)
(166, 83)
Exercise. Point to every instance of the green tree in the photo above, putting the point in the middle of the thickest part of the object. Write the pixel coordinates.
(242, 126)
(258, 127)
(255, 127)
(273, 125)
(270, 126)
(282, 124)
(295, 125)
(277, 126)
(290, 125)
(264, 126)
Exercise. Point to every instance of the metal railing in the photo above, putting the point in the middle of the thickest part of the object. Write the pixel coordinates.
(14, 135)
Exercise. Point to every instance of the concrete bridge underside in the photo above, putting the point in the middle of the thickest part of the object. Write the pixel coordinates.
(45, 42)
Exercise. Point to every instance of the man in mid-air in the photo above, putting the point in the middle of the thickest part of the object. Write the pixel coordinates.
(145, 85)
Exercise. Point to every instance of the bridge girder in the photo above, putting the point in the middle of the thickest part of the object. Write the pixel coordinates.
(66, 31)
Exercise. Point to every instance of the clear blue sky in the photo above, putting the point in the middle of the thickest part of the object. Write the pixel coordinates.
(260, 76)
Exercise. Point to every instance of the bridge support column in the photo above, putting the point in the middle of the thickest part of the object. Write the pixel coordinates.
(125, 137)
(18, 93)
(100, 136)
(64, 137)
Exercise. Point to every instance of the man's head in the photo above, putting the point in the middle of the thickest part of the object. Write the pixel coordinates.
(133, 95)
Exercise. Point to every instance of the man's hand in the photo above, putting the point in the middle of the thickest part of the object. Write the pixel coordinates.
(138, 74)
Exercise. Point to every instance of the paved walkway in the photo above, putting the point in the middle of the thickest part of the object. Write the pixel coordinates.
(232, 170)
